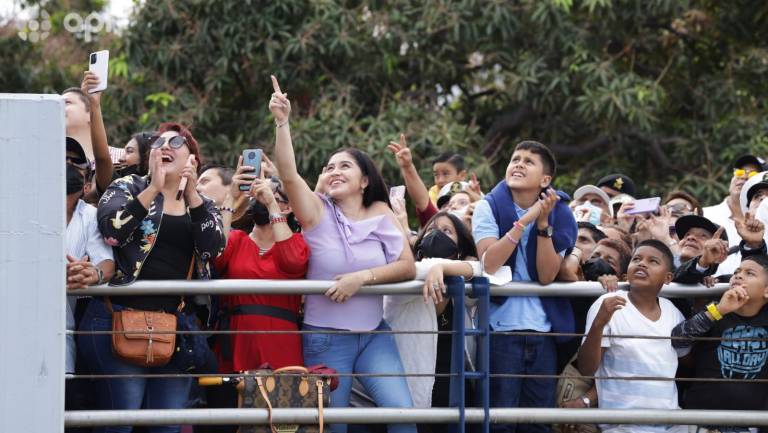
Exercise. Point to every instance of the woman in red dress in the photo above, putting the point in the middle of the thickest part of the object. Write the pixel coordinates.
(270, 251)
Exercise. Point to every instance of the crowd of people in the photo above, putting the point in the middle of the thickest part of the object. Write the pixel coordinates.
(153, 211)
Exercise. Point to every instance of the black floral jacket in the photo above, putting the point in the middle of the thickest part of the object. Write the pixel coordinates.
(131, 229)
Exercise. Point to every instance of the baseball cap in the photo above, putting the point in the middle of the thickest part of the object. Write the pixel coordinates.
(592, 189)
(687, 222)
(448, 190)
(620, 182)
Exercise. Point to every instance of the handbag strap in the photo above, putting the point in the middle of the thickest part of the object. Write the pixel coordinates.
(180, 308)
(296, 368)
(319, 384)
(264, 395)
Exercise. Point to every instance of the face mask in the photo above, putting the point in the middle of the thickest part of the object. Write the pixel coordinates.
(460, 212)
(588, 212)
(437, 244)
(75, 180)
(594, 268)
(259, 213)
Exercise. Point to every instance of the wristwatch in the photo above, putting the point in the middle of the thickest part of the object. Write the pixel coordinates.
(587, 402)
(546, 233)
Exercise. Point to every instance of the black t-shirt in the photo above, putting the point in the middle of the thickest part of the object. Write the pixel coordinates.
(732, 360)
(169, 260)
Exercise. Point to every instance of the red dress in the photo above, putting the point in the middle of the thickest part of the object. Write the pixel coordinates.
(286, 260)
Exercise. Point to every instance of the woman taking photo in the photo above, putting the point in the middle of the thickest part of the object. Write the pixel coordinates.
(156, 234)
(354, 239)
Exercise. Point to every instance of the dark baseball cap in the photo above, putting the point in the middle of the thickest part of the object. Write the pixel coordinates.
(750, 159)
(688, 222)
(619, 182)
(75, 153)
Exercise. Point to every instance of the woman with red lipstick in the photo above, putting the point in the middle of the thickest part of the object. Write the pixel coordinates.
(130, 216)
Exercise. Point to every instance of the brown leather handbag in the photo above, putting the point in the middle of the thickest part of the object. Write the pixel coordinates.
(144, 338)
(275, 389)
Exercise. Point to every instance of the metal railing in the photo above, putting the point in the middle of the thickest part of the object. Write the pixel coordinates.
(458, 414)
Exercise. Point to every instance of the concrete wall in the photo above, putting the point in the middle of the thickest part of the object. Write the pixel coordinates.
(32, 263)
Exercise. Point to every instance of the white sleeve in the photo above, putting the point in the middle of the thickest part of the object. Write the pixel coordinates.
(97, 250)
(606, 342)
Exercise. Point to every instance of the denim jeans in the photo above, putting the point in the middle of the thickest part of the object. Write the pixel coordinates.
(522, 355)
(131, 393)
(361, 353)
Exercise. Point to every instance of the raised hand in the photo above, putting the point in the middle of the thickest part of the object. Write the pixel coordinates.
(547, 200)
(156, 170)
(190, 173)
(90, 81)
(715, 250)
(610, 283)
(279, 104)
(623, 219)
(751, 230)
(402, 152)
(733, 299)
(261, 191)
(473, 189)
(610, 305)
(241, 177)
(268, 167)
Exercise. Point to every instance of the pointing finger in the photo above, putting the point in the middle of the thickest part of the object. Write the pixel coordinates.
(718, 233)
(402, 141)
(275, 85)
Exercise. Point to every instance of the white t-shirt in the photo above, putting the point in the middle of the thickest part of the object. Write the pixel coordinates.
(633, 357)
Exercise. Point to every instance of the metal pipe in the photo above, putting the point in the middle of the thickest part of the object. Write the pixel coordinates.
(432, 416)
(413, 287)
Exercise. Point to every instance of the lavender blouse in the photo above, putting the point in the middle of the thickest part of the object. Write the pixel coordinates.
(339, 246)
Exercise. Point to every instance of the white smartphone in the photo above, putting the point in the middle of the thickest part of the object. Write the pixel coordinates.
(397, 192)
(99, 64)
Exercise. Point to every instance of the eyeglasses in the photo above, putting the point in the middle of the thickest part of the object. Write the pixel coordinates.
(175, 142)
(741, 172)
(679, 209)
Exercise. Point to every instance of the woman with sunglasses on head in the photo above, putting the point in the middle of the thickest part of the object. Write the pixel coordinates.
(354, 239)
(275, 250)
(156, 234)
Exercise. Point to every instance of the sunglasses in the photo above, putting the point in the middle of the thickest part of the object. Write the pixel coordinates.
(679, 209)
(740, 172)
(175, 142)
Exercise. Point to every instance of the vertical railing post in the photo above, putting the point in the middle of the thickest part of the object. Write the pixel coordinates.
(481, 292)
(455, 290)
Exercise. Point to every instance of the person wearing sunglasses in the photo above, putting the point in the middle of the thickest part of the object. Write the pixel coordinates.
(679, 204)
(155, 235)
(724, 214)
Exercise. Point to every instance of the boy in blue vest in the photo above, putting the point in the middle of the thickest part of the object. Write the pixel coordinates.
(525, 224)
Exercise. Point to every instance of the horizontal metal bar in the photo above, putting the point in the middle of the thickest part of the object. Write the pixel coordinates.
(432, 416)
(413, 287)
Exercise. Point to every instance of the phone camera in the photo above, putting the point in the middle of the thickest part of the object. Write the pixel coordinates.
(252, 155)
(93, 58)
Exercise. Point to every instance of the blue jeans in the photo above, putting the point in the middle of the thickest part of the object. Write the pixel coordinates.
(522, 355)
(361, 353)
(131, 393)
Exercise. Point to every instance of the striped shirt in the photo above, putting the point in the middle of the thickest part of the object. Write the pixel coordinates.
(82, 237)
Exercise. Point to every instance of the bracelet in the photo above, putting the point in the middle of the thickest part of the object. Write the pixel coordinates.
(277, 219)
(712, 308)
(518, 225)
(373, 276)
(226, 209)
(280, 125)
(511, 239)
(99, 275)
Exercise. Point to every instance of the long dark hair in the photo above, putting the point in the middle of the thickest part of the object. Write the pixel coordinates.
(377, 189)
(465, 244)
(143, 140)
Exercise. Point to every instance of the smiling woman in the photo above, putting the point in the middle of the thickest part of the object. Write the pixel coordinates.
(354, 239)
(130, 215)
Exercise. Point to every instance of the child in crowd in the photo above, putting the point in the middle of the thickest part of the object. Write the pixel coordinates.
(639, 311)
(526, 225)
(740, 319)
(447, 168)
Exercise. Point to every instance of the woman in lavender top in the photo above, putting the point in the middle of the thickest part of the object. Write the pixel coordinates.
(354, 239)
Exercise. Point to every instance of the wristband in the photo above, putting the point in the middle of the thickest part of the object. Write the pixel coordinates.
(511, 239)
(280, 125)
(226, 209)
(518, 225)
(277, 218)
(712, 308)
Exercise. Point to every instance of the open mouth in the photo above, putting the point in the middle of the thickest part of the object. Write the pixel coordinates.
(167, 158)
(335, 182)
(517, 175)
(641, 274)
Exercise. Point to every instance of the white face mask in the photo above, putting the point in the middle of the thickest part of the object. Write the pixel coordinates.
(762, 212)
(587, 212)
(460, 212)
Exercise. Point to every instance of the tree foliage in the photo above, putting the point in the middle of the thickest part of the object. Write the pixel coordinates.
(666, 91)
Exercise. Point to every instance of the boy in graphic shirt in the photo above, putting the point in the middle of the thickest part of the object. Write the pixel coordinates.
(740, 320)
